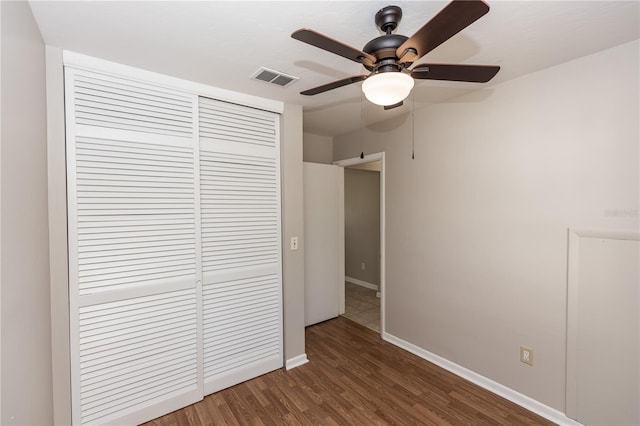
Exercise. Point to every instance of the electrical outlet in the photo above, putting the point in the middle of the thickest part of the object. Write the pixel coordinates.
(526, 355)
(294, 243)
(362, 266)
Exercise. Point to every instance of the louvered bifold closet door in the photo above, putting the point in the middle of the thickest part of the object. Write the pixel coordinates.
(134, 249)
(241, 249)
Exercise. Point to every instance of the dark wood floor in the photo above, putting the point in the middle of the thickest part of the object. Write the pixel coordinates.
(354, 378)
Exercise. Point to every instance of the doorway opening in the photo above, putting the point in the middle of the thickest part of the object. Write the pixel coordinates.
(362, 292)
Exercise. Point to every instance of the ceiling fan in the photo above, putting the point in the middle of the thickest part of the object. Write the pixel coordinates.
(390, 56)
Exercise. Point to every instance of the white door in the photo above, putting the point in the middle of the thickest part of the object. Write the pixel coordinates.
(241, 261)
(323, 241)
(603, 328)
(133, 250)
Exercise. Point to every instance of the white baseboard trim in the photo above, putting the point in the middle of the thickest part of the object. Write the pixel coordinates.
(362, 283)
(516, 397)
(296, 361)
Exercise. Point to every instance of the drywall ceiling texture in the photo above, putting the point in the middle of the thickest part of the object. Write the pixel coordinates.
(222, 43)
(26, 334)
(477, 223)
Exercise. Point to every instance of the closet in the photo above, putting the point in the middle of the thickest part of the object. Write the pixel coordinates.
(175, 282)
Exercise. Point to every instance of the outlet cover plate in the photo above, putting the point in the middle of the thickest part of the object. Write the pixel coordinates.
(526, 355)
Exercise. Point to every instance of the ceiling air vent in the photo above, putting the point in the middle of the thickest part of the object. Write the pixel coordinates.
(273, 77)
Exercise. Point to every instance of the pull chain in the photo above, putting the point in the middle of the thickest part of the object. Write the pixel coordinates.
(361, 125)
(413, 139)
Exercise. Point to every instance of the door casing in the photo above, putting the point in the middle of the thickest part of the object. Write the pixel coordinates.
(379, 156)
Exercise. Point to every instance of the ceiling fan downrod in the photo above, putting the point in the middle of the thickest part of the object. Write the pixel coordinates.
(388, 18)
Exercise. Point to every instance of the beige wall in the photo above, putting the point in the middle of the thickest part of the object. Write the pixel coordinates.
(25, 333)
(477, 224)
(362, 225)
(317, 149)
(292, 226)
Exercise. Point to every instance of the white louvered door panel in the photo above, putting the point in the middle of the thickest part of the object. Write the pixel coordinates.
(134, 249)
(241, 243)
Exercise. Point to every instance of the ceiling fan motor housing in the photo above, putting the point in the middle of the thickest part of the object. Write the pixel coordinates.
(384, 47)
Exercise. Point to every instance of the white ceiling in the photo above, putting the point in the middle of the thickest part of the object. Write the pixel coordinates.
(222, 43)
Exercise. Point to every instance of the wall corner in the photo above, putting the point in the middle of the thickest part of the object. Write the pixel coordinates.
(292, 226)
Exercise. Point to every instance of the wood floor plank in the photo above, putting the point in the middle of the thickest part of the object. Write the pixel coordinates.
(258, 410)
(354, 378)
(205, 417)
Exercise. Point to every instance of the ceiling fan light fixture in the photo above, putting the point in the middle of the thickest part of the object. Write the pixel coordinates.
(387, 88)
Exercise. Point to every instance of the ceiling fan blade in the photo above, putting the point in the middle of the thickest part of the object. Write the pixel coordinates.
(316, 39)
(456, 16)
(471, 73)
(388, 107)
(333, 85)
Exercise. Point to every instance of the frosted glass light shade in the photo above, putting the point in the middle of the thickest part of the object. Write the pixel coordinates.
(387, 88)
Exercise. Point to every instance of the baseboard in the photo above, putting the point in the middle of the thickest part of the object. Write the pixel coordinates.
(362, 283)
(296, 361)
(516, 397)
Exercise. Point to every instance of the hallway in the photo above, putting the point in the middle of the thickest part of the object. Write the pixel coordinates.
(362, 305)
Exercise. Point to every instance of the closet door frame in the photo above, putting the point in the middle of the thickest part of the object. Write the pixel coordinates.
(56, 60)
